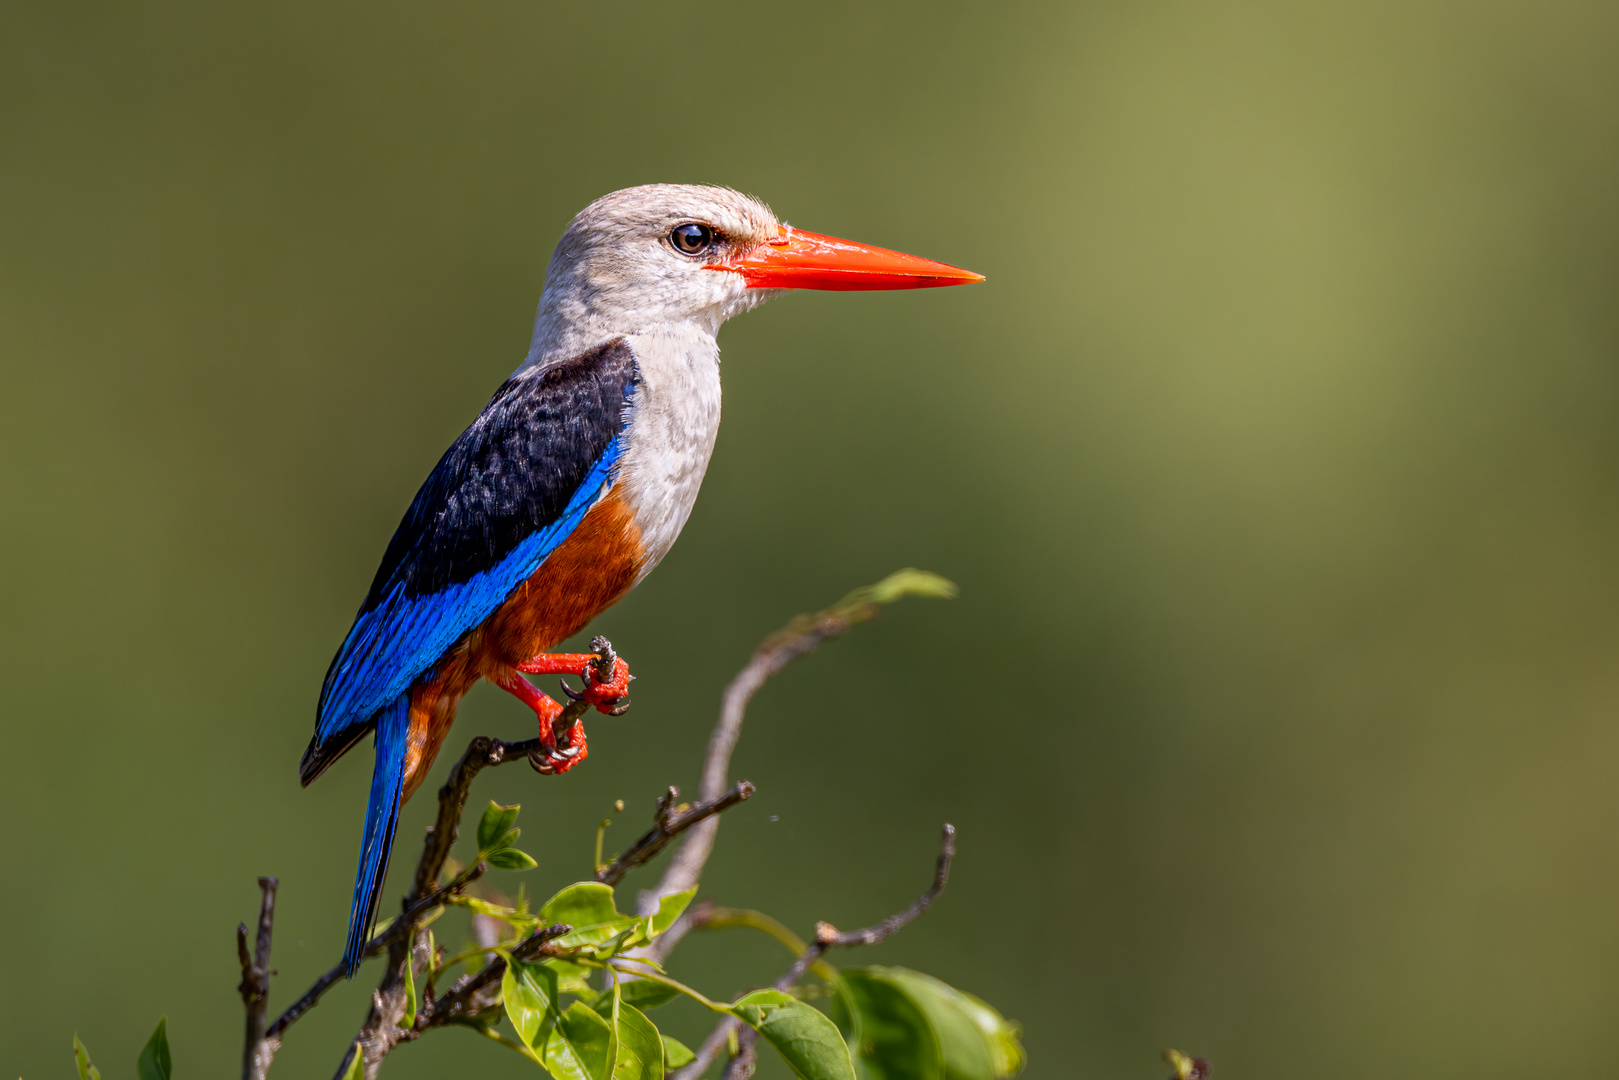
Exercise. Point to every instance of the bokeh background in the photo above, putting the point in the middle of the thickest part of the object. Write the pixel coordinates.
(1278, 463)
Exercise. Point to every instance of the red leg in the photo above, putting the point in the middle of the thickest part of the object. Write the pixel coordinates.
(607, 696)
(556, 759)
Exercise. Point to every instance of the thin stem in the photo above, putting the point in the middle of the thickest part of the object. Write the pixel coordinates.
(668, 822)
(510, 1044)
(731, 918)
(743, 918)
(674, 984)
(379, 942)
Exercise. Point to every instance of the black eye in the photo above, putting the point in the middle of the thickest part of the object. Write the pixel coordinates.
(691, 238)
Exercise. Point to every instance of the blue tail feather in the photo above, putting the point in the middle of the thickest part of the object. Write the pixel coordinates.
(381, 817)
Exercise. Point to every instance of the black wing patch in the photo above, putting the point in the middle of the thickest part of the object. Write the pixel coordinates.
(501, 499)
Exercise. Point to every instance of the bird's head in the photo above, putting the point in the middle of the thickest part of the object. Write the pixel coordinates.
(674, 257)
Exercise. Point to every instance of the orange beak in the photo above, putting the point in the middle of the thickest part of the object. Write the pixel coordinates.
(806, 260)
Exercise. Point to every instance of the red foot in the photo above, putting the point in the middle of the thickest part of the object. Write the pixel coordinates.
(555, 757)
(561, 751)
(606, 696)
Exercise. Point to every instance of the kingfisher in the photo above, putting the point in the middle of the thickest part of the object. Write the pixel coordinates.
(568, 488)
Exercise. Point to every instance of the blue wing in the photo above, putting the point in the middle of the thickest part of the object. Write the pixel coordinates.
(504, 496)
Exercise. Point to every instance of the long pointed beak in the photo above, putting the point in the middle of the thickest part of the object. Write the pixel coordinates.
(806, 260)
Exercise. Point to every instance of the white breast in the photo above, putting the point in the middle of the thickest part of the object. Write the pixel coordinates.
(674, 420)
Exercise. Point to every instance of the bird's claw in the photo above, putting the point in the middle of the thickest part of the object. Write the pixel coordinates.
(607, 696)
(558, 756)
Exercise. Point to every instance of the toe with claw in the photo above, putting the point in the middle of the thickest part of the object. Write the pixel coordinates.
(607, 680)
(560, 755)
(606, 695)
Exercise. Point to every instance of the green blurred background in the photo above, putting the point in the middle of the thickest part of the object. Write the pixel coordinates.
(1277, 462)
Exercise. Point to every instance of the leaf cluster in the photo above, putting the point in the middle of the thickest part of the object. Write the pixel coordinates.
(897, 1023)
(604, 1033)
(893, 1023)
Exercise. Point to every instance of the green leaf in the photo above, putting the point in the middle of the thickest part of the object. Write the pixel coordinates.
(81, 1058)
(910, 582)
(890, 1033)
(529, 993)
(978, 1042)
(644, 994)
(572, 1046)
(577, 1046)
(975, 1042)
(640, 1050)
(571, 978)
(805, 1038)
(1003, 1036)
(356, 1069)
(494, 911)
(585, 903)
(588, 907)
(676, 1053)
(669, 909)
(496, 822)
(509, 858)
(408, 1021)
(154, 1062)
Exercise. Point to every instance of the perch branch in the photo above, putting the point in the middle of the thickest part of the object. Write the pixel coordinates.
(827, 937)
(405, 937)
(482, 753)
(381, 1031)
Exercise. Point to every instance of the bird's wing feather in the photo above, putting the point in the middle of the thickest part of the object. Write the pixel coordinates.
(502, 498)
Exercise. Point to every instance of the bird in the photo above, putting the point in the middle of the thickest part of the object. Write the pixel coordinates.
(568, 488)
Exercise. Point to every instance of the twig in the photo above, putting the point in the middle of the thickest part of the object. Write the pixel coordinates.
(470, 995)
(482, 753)
(669, 822)
(375, 946)
(827, 937)
(426, 894)
(404, 937)
(255, 987)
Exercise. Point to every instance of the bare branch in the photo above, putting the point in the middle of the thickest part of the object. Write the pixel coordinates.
(255, 986)
(669, 821)
(375, 946)
(827, 935)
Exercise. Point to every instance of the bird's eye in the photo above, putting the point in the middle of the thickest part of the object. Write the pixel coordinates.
(691, 238)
